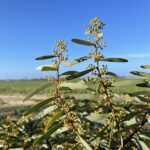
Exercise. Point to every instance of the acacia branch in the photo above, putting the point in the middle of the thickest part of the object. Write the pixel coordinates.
(62, 102)
(106, 92)
(130, 136)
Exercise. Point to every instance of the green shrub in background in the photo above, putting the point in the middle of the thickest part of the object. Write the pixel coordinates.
(96, 120)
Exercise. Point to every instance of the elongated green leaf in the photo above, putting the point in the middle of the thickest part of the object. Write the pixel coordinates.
(128, 127)
(111, 74)
(79, 74)
(143, 99)
(98, 88)
(38, 105)
(137, 143)
(85, 144)
(114, 59)
(144, 137)
(76, 61)
(145, 66)
(83, 42)
(61, 130)
(36, 90)
(48, 67)
(98, 118)
(55, 117)
(69, 72)
(111, 134)
(145, 134)
(75, 146)
(48, 133)
(143, 145)
(17, 148)
(45, 111)
(138, 73)
(138, 107)
(131, 115)
(145, 84)
(45, 57)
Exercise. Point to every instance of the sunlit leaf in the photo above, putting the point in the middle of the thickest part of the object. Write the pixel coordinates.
(79, 74)
(111, 74)
(36, 90)
(69, 72)
(130, 126)
(111, 134)
(145, 66)
(54, 118)
(39, 105)
(138, 107)
(48, 133)
(145, 84)
(130, 116)
(76, 61)
(83, 42)
(75, 146)
(45, 111)
(144, 145)
(45, 57)
(114, 59)
(138, 73)
(48, 67)
(61, 130)
(144, 136)
(98, 118)
(85, 144)
(143, 99)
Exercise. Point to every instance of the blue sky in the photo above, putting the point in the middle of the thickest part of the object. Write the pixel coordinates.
(29, 28)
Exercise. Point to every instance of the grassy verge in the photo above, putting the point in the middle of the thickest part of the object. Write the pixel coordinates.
(19, 86)
(122, 85)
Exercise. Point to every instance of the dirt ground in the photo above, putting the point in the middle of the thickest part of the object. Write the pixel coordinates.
(9, 103)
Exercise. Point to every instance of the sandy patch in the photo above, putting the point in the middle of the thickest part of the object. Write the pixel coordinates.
(9, 103)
